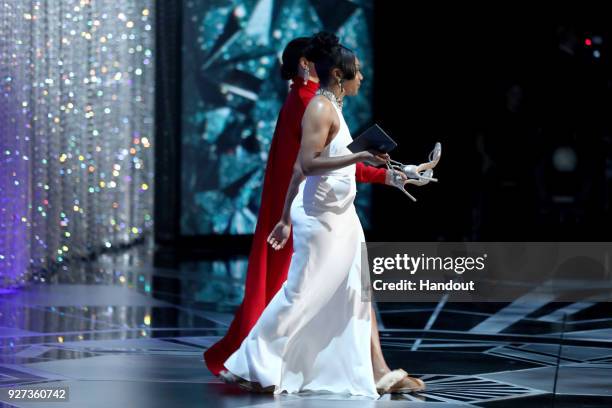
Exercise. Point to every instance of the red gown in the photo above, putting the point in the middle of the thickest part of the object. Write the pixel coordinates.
(267, 268)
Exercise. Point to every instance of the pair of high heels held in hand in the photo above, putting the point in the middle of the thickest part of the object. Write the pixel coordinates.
(418, 175)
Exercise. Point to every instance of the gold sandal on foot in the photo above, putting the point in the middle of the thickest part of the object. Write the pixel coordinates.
(390, 379)
(407, 385)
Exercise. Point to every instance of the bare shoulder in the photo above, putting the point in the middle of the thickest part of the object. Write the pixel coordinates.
(320, 109)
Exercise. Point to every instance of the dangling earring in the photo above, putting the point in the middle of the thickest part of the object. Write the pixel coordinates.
(341, 86)
(306, 74)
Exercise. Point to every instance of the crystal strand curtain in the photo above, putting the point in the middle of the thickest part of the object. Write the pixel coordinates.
(76, 131)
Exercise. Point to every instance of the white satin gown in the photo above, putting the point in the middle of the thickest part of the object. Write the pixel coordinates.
(314, 335)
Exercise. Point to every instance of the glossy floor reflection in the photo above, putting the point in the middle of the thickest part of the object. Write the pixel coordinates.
(122, 333)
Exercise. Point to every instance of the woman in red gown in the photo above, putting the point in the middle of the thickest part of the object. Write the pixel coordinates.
(267, 268)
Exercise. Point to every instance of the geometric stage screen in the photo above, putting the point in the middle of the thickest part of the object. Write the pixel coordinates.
(232, 94)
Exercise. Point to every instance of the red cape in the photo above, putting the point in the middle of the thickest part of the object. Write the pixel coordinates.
(267, 268)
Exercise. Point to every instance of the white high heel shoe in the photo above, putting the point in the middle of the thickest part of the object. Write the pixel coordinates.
(423, 173)
(398, 181)
(417, 175)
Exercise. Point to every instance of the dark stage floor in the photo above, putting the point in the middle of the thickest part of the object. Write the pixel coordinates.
(120, 333)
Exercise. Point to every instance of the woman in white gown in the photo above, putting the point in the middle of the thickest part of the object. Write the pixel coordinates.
(314, 335)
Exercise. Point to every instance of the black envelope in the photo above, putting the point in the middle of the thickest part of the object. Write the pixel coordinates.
(374, 138)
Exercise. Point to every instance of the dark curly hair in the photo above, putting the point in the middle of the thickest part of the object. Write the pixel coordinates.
(327, 53)
(291, 57)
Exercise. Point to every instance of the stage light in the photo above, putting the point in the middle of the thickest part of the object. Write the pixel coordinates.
(588, 42)
(565, 159)
(596, 54)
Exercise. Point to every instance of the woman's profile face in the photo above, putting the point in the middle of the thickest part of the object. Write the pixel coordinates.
(351, 86)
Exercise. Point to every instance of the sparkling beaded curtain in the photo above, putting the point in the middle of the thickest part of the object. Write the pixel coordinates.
(76, 130)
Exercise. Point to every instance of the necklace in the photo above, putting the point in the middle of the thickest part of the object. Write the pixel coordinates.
(332, 98)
